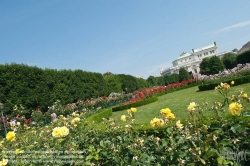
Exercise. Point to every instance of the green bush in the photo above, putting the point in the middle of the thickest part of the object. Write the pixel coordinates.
(237, 81)
(136, 104)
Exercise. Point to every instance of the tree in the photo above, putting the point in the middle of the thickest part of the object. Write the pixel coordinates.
(205, 66)
(216, 65)
(183, 74)
(160, 81)
(212, 65)
(229, 60)
(170, 79)
(113, 82)
(152, 81)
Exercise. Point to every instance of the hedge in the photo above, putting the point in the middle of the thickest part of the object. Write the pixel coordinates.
(177, 89)
(137, 104)
(106, 113)
(237, 81)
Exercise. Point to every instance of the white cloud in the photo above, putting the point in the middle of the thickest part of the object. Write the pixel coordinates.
(238, 25)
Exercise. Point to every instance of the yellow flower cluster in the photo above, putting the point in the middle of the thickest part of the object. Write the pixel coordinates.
(10, 136)
(60, 132)
(224, 86)
(75, 121)
(130, 112)
(192, 106)
(235, 108)
(166, 113)
(4, 162)
(74, 114)
(156, 122)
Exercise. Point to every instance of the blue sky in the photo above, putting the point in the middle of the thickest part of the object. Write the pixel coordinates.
(135, 37)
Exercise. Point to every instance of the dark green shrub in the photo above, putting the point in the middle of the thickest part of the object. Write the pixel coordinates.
(243, 57)
(136, 104)
(237, 81)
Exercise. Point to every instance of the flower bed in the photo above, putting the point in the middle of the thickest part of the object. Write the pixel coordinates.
(221, 139)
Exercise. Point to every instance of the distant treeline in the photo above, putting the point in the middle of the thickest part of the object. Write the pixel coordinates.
(34, 87)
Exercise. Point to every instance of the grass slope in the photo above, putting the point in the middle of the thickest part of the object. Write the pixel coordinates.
(178, 103)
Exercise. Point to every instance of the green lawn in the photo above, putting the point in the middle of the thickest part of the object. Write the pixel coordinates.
(178, 103)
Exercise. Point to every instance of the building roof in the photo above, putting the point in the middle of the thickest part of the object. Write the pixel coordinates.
(245, 45)
(184, 55)
(204, 48)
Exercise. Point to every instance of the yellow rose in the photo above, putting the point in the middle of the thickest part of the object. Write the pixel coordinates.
(235, 108)
(179, 125)
(133, 109)
(170, 116)
(73, 114)
(129, 112)
(192, 106)
(60, 132)
(245, 95)
(10, 136)
(232, 82)
(165, 111)
(226, 86)
(156, 122)
(123, 118)
(75, 120)
(4, 162)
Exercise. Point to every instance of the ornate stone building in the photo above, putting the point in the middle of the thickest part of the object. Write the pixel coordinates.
(191, 62)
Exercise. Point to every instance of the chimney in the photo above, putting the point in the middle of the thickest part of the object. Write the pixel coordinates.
(214, 43)
(193, 50)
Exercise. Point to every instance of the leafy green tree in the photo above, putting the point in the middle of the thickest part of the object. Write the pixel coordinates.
(113, 82)
(183, 74)
(152, 81)
(205, 66)
(141, 83)
(128, 83)
(216, 65)
(160, 81)
(170, 79)
(229, 60)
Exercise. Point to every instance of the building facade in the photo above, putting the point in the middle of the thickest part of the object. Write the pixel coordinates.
(191, 62)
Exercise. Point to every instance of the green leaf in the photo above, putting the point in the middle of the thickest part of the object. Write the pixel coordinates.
(238, 128)
(220, 160)
(225, 142)
(89, 157)
(210, 152)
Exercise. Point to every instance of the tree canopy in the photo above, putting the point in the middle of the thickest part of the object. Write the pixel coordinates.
(211, 65)
(229, 60)
(183, 74)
